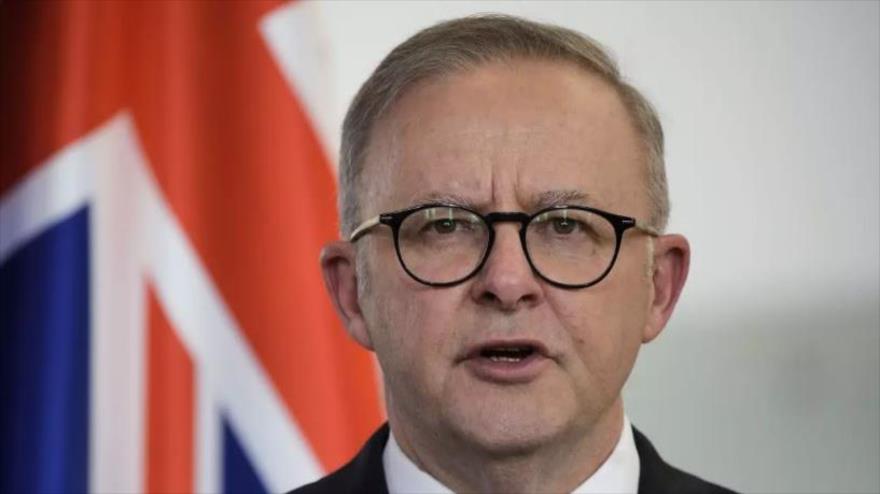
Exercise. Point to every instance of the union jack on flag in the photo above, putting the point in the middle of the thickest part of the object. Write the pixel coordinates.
(165, 188)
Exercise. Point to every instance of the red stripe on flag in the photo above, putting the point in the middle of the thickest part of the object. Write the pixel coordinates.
(62, 73)
(170, 407)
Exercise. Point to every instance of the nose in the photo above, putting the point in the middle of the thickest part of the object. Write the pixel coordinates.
(506, 281)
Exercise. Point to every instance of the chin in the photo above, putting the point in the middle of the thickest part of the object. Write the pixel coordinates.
(510, 422)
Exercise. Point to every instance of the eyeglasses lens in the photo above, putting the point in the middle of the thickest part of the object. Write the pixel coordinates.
(442, 244)
(571, 246)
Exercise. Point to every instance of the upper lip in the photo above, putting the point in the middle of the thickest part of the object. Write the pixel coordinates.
(475, 350)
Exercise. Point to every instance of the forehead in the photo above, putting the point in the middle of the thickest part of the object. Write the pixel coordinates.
(506, 135)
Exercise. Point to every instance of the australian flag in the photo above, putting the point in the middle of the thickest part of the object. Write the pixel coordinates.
(165, 188)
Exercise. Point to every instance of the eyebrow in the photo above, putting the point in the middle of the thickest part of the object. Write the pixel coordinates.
(550, 198)
(445, 198)
(565, 197)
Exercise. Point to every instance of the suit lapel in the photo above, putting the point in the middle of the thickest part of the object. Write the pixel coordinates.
(653, 470)
(366, 471)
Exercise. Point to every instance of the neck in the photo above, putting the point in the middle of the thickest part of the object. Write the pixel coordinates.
(559, 465)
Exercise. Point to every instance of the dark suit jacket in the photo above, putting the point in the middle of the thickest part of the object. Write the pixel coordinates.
(365, 473)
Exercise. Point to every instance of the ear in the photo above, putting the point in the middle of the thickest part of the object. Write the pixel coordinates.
(672, 257)
(338, 264)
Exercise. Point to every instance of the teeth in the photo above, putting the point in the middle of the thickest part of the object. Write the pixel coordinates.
(510, 354)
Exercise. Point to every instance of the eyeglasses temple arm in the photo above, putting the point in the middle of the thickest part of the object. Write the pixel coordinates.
(362, 228)
(648, 229)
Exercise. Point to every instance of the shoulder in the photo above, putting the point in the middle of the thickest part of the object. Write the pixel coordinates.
(657, 476)
(364, 473)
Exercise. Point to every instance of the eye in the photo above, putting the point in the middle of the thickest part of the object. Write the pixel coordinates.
(564, 226)
(444, 226)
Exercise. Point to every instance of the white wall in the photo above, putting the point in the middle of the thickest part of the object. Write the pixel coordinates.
(768, 377)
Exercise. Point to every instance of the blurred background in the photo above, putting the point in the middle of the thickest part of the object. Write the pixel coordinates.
(177, 149)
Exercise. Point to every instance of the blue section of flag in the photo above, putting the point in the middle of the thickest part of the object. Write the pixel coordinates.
(44, 361)
(239, 476)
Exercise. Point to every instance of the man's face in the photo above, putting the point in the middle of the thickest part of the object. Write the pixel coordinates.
(499, 138)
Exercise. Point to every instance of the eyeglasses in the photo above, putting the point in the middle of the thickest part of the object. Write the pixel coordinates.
(442, 245)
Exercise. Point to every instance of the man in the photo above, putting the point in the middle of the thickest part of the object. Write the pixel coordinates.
(503, 198)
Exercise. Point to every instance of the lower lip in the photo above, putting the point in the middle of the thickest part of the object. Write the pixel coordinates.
(500, 372)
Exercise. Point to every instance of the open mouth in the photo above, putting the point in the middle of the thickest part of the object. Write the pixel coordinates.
(508, 361)
(508, 354)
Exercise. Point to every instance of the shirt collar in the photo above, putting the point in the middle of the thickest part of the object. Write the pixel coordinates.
(618, 474)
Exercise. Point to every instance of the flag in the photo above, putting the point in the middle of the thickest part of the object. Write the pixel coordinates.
(165, 189)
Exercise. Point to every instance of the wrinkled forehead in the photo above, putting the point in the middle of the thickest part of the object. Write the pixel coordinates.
(508, 134)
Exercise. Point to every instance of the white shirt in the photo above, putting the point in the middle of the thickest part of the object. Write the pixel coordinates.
(617, 475)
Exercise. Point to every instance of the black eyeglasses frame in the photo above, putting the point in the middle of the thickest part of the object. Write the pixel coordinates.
(394, 219)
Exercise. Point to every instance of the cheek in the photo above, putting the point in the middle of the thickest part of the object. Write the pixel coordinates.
(605, 324)
(411, 328)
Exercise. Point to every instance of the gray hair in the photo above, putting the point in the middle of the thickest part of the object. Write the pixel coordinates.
(465, 43)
